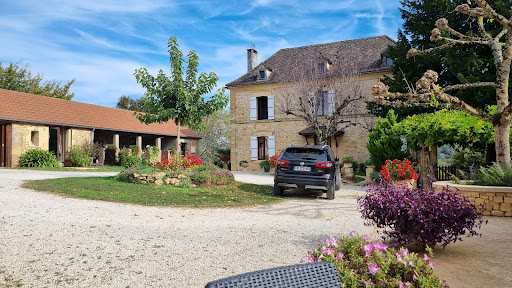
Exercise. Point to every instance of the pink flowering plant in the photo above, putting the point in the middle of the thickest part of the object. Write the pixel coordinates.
(365, 263)
(80, 157)
(421, 216)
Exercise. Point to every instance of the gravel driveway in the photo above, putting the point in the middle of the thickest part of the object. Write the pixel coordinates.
(49, 240)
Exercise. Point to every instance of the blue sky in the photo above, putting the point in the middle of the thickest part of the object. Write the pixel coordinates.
(101, 43)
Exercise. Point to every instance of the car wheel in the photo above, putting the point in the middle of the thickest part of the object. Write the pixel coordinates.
(278, 191)
(330, 192)
(338, 182)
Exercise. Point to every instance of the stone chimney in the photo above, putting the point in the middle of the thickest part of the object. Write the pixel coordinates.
(252, 59)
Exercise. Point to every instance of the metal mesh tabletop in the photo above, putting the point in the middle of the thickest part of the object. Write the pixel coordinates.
(320, 274)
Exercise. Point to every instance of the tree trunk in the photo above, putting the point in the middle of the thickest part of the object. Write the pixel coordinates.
(178, 138)
(502, 140)
(429, 163)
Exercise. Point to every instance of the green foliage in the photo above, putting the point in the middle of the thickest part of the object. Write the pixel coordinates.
(362, 262)
(209, 175)
(79, 156)
(111, 146)
(128, 158)
(38, 158)
(127, 103)
(17, 78)
(445, 127)
(215, 135)
(464, 157)
(179, 97)
(265, 164)
(467, 64)
(385, 143)
(495, 175)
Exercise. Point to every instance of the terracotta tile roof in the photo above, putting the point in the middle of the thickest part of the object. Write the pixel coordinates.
(24, 107)
(365, 53)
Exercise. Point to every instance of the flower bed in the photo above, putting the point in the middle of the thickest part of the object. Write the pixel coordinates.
(365, 263)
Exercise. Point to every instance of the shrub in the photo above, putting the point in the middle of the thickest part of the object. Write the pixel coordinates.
(362, 263)
(38, 158)
(419, 215)
(465, 157)
(384, 143)
(127, 176)
(495, 175)
(210, 175)
(79, 156)
(178, 163)
(128, 158)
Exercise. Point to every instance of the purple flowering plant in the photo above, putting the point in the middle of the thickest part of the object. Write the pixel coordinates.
(419, 216)
(362, 262)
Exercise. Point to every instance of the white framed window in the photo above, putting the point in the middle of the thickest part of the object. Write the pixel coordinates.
(261, 108)
(263, 147)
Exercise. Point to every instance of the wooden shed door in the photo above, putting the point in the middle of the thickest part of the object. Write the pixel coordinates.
(5, 145)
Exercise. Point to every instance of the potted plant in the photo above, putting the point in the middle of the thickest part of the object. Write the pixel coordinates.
(265, 165)
(400, 171)
(110, 154)
(225, 160)
(370, 168)
(243, 163)
(348, 166)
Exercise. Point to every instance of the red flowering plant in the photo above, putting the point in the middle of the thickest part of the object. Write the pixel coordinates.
(273, 159)
(397, 170)
(225, 158)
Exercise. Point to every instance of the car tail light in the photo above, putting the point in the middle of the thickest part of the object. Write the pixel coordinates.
(327, 164)
(282, 162)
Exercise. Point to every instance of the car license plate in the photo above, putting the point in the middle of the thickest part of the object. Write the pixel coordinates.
(301, 168)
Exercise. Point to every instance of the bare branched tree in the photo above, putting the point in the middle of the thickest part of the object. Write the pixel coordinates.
(326, 93)
(429, 94)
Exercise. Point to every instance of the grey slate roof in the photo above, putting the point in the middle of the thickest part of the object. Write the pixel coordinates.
(365, 53)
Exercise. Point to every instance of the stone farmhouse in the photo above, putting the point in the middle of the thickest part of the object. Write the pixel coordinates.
(30, 121)
(260, 128)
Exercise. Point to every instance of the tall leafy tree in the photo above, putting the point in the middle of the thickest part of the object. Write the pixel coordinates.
(127, 103)
(429, 94)
(215, 135)
(180, 96)
(19, 78)
(467, 63)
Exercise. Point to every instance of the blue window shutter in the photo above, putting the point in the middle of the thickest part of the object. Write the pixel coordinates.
(270, 107)
(254, 148)
(331, 103)
(271, 146)
(253, 114)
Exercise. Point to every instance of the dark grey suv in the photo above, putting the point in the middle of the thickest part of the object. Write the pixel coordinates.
(308, 167)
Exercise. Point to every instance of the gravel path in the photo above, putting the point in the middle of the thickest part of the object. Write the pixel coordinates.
(48, 240)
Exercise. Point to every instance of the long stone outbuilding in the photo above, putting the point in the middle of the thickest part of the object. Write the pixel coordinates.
(29, 121)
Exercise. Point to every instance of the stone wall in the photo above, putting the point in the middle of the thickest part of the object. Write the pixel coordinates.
(497, 200)
(80, 136)
(285, 128)
(26, 137)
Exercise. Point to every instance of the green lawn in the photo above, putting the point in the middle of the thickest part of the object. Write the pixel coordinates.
(81, 169)
(107, 189)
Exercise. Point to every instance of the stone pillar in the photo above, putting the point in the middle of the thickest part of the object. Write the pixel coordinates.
(158, 143)
(115, 141)
(138, 142)
(67, 141)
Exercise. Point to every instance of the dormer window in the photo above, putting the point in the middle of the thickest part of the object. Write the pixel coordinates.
(321, 68)
(389, 62)
(262, 75)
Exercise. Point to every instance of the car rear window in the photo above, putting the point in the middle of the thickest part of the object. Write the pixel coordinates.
(305, 153)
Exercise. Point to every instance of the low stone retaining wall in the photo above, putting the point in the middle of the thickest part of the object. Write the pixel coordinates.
(497, 200)
(158, 179)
